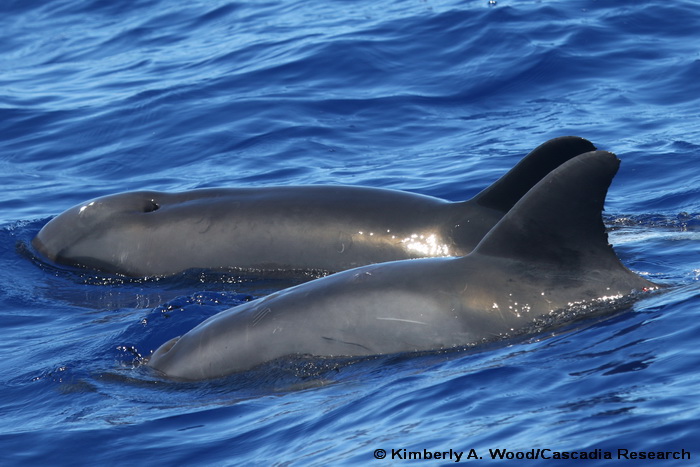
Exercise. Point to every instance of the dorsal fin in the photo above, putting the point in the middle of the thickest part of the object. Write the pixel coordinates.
(512, 186)
(559, 221)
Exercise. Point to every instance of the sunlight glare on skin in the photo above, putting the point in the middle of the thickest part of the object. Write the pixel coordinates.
(426, 245)
(83, 208)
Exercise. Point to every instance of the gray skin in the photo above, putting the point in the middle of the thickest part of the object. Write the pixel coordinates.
(549, 252)
(325, 228)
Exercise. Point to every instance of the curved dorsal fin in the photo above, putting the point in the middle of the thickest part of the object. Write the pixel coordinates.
(559, 221)
(507, 190)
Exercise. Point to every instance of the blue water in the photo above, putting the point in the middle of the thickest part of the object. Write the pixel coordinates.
(433, 96)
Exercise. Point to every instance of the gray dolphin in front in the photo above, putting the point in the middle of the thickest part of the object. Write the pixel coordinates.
(325, 228)
(548, 253)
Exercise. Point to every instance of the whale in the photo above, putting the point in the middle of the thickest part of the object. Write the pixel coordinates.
(289, 228)
(549, 253)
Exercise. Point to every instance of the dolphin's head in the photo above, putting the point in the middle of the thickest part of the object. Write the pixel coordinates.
(223, 344)
(82, 235)
(183, 361)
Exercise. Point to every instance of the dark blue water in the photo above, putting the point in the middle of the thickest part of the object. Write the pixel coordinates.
(436, 97)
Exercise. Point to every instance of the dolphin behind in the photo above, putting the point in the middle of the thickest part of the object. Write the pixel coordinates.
(325, 228)
(549, 252)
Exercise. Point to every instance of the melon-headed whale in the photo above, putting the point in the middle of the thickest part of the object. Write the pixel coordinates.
(550, 251)
(325, 228)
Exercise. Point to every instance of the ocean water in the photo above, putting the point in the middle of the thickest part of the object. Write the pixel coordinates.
(432, 96)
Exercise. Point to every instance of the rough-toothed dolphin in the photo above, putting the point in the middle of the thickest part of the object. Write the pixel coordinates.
(549, 252)
(327, 228)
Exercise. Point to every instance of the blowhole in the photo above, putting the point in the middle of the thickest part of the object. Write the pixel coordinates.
(151, 206)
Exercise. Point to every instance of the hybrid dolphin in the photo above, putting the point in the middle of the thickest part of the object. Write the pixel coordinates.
(325, 228)
(549, 252)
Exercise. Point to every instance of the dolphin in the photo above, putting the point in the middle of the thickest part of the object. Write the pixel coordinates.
(322, 228)
(548, 253)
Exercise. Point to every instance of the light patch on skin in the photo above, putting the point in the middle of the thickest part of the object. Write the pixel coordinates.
(402, 320)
